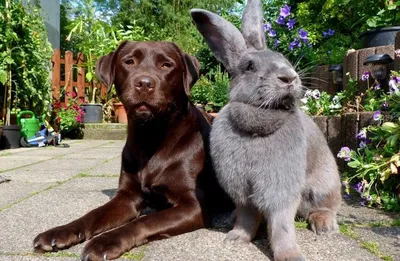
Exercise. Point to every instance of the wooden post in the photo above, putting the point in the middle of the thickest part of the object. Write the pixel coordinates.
(81, 76)
(69, 63)
(56, 74)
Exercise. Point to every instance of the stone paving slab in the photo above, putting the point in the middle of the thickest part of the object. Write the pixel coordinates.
(112, 167)
(351, 212)
(16, 161)
(14, 191)
(387, 239)
(65, 187)
(50, 208)
(208, 245)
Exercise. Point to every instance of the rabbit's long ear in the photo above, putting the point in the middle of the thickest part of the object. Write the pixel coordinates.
(252, 25)
(224, 39)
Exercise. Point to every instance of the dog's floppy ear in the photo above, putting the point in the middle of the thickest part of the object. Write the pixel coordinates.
(224, 39)
(191, 75)
(105, 67)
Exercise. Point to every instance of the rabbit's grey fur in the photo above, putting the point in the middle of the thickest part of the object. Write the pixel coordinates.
(269, 156)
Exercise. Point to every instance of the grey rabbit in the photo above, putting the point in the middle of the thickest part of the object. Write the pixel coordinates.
(269, 156)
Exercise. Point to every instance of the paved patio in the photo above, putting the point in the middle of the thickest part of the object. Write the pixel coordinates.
(52, 186)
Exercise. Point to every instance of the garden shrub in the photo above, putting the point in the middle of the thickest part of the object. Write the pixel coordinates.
(29, 56)
(211, 90)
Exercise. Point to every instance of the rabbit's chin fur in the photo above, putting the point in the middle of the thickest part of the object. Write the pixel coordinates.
(256, 120)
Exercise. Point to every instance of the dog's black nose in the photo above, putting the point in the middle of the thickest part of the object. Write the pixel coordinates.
(144, 82)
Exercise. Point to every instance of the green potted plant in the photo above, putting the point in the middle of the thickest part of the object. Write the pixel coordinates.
(94, 38)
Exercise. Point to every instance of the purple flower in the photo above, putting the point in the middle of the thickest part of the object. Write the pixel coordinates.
(330, 32)
(344, 153)
(280, 20)
(276, 42)
(377, 115)
(369, 198)
(393, 86)
(346, 196)
(303, 34)
(272, 33)
(362, 203)
(359, 187)
(267, 27)
(377, 87)
(294, 44)
(362, 145)
(362, 135)
(385, 105)
(365, 76)
(291, 23)
(285, 11)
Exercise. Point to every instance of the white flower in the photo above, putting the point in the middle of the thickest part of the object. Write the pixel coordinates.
(308, 94)
(335, 99)
(393, 86)
(316, 94)
(335, 106)
(304, 108)
(304, 100)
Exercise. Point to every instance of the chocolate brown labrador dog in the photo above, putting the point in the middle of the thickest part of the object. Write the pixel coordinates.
(165, 161)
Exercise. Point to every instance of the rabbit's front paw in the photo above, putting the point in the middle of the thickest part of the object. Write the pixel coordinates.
(236, 235)
(323, 222)
(290, 256)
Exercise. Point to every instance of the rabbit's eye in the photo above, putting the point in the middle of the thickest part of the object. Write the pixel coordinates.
(250, 66)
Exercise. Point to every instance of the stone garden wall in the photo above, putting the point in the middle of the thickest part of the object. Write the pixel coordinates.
(341, 130)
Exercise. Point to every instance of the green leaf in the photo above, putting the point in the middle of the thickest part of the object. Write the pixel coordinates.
(372, 22)
(9, 60)
(3, 77)
(354, 164)
(389, 127)
(89, 76)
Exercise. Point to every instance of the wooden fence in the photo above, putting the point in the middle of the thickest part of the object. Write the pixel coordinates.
(70, 74)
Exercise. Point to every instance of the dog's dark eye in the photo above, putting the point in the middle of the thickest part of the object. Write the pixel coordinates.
(130, 61)
(166, 65)
(250, 66)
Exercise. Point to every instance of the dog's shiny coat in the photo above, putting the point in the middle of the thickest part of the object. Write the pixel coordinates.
(165, 163)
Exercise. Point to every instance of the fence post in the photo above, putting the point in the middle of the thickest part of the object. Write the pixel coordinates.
(69, 64)
(56, 74)
(81, 85)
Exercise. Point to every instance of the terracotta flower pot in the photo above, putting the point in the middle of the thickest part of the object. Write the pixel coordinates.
(120, 113)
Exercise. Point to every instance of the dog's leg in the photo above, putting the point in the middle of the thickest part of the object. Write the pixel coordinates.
(122, 208)
(282, 234)
(184, 217)
(248, 220)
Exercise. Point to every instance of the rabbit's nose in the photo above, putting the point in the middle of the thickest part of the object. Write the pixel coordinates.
(287, 79)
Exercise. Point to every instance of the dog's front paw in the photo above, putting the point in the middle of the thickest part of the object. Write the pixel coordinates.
(323, 222)
(107, 246)
(58, 238)
(237, 235)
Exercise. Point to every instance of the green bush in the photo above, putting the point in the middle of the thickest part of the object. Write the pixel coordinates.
(211, 91)
(26, 53)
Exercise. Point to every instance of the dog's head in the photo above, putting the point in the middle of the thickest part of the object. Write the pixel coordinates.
(151, 78)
